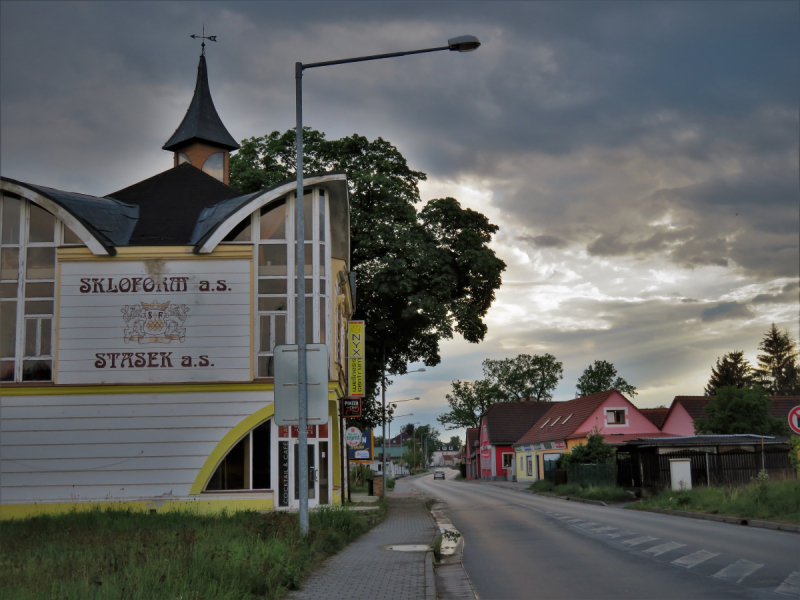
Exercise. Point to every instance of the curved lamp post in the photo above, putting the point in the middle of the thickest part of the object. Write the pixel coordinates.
(463, 43)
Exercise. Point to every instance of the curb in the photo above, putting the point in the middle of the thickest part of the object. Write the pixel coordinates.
(568, 498)
(723, 519)
(430, 580)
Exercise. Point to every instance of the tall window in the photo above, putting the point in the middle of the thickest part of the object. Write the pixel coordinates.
(29, 236)
(247, 465)
(272, 284)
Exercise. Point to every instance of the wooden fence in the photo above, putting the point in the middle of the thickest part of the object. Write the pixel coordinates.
(731, 468)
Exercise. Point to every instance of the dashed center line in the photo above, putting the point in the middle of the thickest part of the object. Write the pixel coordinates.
(662, 548)
(737, 571)
(695, 558)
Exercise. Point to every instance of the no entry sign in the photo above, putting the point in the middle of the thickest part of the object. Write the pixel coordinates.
(794, 419)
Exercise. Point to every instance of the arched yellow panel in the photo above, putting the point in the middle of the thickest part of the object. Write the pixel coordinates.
(228, 442)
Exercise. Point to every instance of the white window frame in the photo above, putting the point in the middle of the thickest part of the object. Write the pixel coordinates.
(511, 460)
(609, 412)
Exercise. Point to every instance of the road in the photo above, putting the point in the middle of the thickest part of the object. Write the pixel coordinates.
(518, 545)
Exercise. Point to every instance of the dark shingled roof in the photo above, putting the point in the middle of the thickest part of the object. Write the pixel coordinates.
(572, 415)
(109, 220)
(507, 421)
(201, 123)
(694, 405)
(656, 416)
(709, 440)
(170, 204)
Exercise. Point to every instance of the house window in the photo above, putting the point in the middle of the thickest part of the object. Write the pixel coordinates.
(545, 423)
(508, 460)
(29, 236)
(247, 464)
(556, 421)
(615, 416)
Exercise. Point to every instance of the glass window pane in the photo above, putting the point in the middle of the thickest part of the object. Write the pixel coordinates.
(45, 332)
(266, 366)
(322, 287)
(308, 212)
(230, 474)
(321, 216)
(240, 233)
(39, 290)
(9, 263)
(8, 290)
(272, 259)
(42, 227)
(182, 158)
(39, 307)
(265, 334)
(272, 286)
(273, 221)
(41, 263)
(30, 337)
(280, 330)
(309, 320)
(70, 238)
(11, 208)
(8, 328)
(268, 303)
(322, 320)
(214, 165)
(261, 456)
(36, 370)
(322, 258)
(309, 261)
(7, 370)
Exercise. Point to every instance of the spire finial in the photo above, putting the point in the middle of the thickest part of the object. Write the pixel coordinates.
(210, 38)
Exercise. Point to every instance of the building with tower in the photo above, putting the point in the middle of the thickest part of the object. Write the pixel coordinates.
(137, 332)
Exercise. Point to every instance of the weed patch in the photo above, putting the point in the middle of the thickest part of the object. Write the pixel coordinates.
(124, 555)
(764, 499)
(604, 493)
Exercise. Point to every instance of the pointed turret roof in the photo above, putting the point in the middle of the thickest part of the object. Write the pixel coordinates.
(201, 123)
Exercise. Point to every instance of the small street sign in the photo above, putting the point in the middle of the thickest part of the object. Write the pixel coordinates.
(794, 419)
(352, 408)
(352, 436)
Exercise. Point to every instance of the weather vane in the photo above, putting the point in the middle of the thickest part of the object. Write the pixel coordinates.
(210, 38)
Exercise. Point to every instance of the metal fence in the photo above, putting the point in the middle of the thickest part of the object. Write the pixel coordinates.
(600, 474)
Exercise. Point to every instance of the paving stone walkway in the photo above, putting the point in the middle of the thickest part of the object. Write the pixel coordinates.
(363, 571)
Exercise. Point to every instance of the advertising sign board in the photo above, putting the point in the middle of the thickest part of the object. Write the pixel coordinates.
(364, 449)
(352, 437)
(355, 358)
(352, 408)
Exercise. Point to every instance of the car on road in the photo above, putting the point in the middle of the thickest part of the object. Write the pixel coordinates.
(438, 474)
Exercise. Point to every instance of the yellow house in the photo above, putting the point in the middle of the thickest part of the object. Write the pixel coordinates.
(137, 333)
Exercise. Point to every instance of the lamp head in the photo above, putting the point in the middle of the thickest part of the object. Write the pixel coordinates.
(463, 43)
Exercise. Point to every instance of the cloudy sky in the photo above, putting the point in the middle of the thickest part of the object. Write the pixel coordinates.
(641, 159)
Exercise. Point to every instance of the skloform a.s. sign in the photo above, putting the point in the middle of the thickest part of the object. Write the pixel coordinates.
(154, 321)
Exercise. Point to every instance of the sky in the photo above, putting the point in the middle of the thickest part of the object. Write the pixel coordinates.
(640, 158)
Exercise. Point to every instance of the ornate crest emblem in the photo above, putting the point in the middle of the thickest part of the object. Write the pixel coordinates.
(154, 322)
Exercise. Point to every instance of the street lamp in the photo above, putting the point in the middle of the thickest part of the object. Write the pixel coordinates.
(390, 433)
(463, 43)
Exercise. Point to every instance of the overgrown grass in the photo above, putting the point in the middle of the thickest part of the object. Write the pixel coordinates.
(122, 555)
(770, 500)
(605, 493)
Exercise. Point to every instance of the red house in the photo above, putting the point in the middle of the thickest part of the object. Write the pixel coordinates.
(685, 409)
(501, 426)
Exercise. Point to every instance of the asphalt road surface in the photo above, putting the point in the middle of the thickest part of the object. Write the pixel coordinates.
(522, 546)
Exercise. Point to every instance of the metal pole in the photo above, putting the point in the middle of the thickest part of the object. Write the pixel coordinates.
(383, 396)
(300, 309)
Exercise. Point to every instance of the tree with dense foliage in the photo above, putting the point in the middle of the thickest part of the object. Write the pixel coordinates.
(455, 441)
(595, 450)
(468, 401)
(732, 369)
(421, 276)
(600, 377)
(736, 410)
(534, 377)
(778, 370)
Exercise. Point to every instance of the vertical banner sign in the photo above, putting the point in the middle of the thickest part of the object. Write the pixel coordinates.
(283, 473)
(355, 347)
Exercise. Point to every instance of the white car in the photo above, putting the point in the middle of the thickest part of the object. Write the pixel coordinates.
(438, 474)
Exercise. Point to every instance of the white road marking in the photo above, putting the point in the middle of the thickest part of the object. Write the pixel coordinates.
(620, 534)
(575, 520)
(591, 524)
(695, 558)
(790, 585)
(662, 548)
(639, 540)
(604, 529)
(737, 571)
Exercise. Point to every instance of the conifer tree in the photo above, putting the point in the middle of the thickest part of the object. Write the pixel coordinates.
(778, 371)
(732, 369)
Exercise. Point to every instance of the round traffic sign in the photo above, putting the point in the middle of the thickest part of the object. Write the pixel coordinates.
(794, 419)
(352, 436)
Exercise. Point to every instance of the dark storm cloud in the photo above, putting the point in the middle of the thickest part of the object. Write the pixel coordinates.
(544, 241)
(725, 311)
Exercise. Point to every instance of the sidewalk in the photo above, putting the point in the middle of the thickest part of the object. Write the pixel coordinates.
(365, 571)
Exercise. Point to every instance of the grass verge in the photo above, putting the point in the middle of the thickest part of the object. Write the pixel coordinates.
(122, 555)
(777, 500)
(573, 490)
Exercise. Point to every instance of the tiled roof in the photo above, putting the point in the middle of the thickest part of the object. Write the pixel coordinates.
(781, 405)
(473, 437)
(507, 421)
(656, 416)
(694, 405)
(568, 416)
